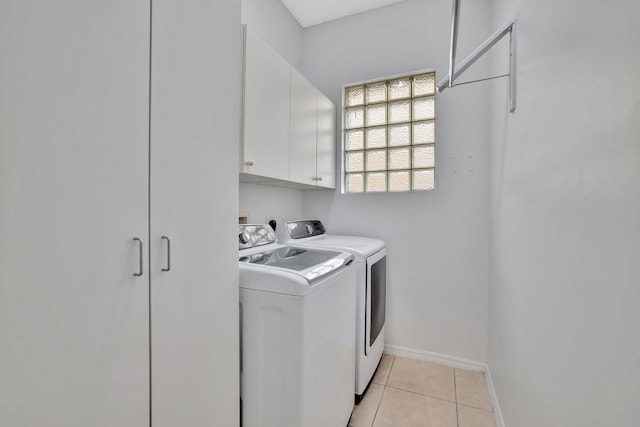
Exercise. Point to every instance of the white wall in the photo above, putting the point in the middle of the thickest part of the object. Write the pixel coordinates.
(438, 242)
(264, 203)
(273, 23)
(564, 313)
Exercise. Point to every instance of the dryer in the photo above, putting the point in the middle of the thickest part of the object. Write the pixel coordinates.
(297, 333)
(370, 258)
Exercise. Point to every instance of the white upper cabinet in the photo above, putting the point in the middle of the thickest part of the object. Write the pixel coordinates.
(326, 143)
(289, 125)
(304, 117)
(267, 79)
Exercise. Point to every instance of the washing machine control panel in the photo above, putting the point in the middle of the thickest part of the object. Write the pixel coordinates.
(252, 235)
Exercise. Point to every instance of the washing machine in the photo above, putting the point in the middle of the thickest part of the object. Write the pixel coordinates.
(297, 308)
(370, 262)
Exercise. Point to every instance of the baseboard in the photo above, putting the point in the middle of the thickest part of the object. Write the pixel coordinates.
(497, 412)
(454, 362)
(442, 359)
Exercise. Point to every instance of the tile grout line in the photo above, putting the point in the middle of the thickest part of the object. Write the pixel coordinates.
(393, 362)
(455, 390)
(476, 408)
(492, 411)
(384, 388)
(422, 395)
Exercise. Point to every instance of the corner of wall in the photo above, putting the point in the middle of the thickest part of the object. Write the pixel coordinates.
(497, 412)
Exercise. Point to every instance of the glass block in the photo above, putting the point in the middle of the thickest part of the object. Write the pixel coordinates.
(399, 181)
(354, 96)
(376, 160)
(355, 183)
(424, 133)
(424, 109)
(376, 137)
(424, 84)
(423, 180)
(354, 161)
(399, 135)
(354, 139)
(399, 158)
(376, 115)
(423, 157)
(376, 182)
(376, 92)
(400, 88)
(354, 117)
(399, 112)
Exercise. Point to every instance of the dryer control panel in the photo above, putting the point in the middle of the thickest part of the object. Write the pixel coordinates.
(302, 229)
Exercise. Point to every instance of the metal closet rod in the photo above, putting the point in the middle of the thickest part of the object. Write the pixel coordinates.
(454, 72)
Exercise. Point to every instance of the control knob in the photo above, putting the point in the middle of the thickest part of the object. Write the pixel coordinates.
(244, 237)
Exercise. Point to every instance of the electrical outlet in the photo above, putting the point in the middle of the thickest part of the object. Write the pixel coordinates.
(243, 218)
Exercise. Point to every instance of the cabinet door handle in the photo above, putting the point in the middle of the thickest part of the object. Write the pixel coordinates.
(168, 253)
(249, 163)
(317, 178)
(140, 256)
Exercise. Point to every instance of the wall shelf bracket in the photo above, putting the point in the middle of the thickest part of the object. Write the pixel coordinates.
(455, 72)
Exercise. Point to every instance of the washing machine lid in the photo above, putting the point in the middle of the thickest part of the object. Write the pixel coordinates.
(311, 233)
(291, 271)
(310, 264)
(292, 258)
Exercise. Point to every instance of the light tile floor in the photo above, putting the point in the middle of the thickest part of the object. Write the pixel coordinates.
(410, 393)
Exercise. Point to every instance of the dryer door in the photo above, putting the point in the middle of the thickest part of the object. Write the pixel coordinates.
(376, 298)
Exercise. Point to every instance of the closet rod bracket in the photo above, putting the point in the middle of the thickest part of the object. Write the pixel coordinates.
(455, 72)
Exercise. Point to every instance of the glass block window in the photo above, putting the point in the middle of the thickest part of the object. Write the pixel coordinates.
(389, 135)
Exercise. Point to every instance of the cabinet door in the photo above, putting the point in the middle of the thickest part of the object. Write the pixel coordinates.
(302, 149)
(266, 110)
(195, 135)
(74, 336)
(326, 142)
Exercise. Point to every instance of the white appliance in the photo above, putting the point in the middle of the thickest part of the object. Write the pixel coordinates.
(297, 333)
(371, 275)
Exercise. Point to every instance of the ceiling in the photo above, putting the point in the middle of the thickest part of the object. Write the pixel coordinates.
(312, 12)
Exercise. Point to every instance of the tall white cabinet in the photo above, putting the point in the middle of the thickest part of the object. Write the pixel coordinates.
(100, 145)
(195, 134)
